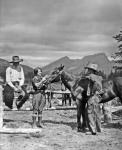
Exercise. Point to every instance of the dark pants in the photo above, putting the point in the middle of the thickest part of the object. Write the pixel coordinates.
(8, 97)
(81, 112)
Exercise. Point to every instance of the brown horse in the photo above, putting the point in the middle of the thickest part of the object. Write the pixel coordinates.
(78, 86)
(73, 83)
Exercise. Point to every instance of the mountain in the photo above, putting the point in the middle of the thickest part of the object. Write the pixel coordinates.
(27, 70)
(73, 66)
(76, 66)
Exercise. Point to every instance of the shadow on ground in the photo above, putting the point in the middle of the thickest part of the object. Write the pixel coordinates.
(70, 124)
(116, 125)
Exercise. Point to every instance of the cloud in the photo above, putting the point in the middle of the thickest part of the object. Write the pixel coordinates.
(21, 29)
(51, 28)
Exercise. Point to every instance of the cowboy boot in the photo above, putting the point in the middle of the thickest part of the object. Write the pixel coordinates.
(34, 122)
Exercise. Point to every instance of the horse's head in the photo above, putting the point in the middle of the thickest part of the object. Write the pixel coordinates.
(57, 70)
(108, 91)
(55, 75)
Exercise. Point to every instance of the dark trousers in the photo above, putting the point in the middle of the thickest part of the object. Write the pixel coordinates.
(8, 97)
(81, 112)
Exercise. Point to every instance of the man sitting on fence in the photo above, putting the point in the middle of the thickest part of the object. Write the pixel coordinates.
(15, 84)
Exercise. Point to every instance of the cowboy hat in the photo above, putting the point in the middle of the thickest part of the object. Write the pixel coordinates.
(92, 66)
(16, 59)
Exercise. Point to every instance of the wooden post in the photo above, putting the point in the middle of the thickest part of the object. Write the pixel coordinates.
(1, 107)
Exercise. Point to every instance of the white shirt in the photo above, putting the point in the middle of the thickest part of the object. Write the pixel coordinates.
(13, 75)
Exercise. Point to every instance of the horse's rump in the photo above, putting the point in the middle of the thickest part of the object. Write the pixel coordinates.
(8, 96)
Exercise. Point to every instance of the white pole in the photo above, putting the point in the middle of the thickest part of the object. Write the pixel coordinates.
(1, 107)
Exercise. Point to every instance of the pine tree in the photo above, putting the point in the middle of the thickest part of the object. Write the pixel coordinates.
(118, 55)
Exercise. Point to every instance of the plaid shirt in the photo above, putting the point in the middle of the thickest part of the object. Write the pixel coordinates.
(97, 83)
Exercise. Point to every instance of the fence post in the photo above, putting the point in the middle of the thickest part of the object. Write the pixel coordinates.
(1, 106)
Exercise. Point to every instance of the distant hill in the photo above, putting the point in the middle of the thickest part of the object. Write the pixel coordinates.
(75, 66)
(28, 70)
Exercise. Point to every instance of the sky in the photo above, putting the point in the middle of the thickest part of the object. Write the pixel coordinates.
(42, 31)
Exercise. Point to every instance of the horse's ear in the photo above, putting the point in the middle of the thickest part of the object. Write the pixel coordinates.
(61, 67)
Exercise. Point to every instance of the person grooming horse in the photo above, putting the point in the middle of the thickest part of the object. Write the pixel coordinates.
(39, 99)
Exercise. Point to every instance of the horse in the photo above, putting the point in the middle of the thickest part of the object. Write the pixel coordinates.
(79, 85)
(78, 90)
(112, 88)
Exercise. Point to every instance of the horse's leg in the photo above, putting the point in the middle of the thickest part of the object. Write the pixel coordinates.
(49, 100)
(79, 111)
(65, 97)
(69, 99)
(48, 96)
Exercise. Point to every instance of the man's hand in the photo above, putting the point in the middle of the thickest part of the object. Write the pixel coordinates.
(15, 89)
(18, 89)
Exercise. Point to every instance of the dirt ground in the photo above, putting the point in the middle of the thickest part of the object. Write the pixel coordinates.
(59, 133)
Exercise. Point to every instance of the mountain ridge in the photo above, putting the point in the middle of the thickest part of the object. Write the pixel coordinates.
(75, 66)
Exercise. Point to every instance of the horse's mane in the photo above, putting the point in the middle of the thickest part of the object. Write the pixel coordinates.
(72, 81)
(67, 76)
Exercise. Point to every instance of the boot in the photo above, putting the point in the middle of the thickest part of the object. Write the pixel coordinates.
(34, 122)
(39, 124)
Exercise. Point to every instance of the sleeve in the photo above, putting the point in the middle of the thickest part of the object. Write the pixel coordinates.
(78, 92)
(38, 83)
(8, 78)
(35, 82)
(22, 77)
(98, 85)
